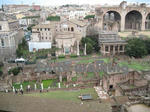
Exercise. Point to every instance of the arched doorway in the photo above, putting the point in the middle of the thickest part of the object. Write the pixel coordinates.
(133, 20)
(147, 22)
(111, 21)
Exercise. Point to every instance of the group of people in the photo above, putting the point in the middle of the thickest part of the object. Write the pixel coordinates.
(19, 90)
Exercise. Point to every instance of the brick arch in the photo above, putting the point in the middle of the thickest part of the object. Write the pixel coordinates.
(147, 21)
(134, 10)
(115, 25)
(111, 11)
(133, 22)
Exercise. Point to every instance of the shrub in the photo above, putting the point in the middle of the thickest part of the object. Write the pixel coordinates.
(61, 56)
(73, 56)
(15, 71)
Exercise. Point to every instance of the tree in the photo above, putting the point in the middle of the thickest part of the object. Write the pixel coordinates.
(30, 27)
(89, 16)
(15, 71)
(136, 48)
(53, 18)
(22, 49)
(1, 71)
(92, 44)
(147, 43)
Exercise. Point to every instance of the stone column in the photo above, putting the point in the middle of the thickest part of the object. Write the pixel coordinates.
(59, 85)
(113, 49)
(123, 47)
(21, 87)
(118, 49)
(123, 22)
(60, 78)
(104, 49)
(42, 86)
(85, 50)
(78, 51)
(143, 23)
(109, 48)
(35, 87)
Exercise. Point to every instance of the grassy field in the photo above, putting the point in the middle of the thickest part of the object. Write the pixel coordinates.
(66, 95)
(135, 65)
(106, 60)
(46, 84)
(126, 34)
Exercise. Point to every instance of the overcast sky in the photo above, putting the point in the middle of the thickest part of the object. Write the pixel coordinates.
(61, 2)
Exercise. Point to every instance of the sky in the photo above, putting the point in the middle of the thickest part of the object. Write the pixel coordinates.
(62, 2)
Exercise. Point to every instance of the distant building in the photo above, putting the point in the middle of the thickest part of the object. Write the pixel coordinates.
(36, 7)
(10, 35)
(110, 43)
(66, 35)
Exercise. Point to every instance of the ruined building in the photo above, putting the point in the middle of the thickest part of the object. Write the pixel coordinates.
(123, 17)
(10, 35)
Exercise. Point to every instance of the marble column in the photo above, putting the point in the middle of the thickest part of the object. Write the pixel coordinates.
(35, 87)
(104, 49)
(42, 86)
(85, 49)
(78, 50)
(123, 22)
(143, 23)
(114, 50)
(59, 85)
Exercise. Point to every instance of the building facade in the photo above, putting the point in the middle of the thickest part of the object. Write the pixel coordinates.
(10, 36)
(123, 17)
(110, 43)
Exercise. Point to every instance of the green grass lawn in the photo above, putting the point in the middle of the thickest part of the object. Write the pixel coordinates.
(46, 84)
(66, 95)
(106, 60)
(135, 65)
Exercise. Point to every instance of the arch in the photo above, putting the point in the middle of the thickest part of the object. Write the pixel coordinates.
(2, 42)
(112, 20)
(133, 20)
(147, 22)
(72, 29)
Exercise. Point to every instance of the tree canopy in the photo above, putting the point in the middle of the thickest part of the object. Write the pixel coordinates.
(22, 49)
(92, 44)
(89, 16)
(53, 18)
(136, 48)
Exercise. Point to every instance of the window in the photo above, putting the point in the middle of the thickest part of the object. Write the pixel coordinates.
(45, 29)
(116, 48)
(106, 48)
(46, 38)
(68, 29)
(0, 27)
(121, 48)
(2, 42)
(42, 37)
(49, 38)
(48, 29)
(72, 29)
(40, 29)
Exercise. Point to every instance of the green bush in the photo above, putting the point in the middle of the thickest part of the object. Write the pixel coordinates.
(61, 56)
(53, 18)
(15, 71)
(89, 16)
(74, 79)
(136, 48)
(73, 56)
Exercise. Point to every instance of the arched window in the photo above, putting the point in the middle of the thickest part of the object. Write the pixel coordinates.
(72, 29)
(2, 42)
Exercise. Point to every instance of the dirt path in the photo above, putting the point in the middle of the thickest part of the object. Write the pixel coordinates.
(18, 103)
